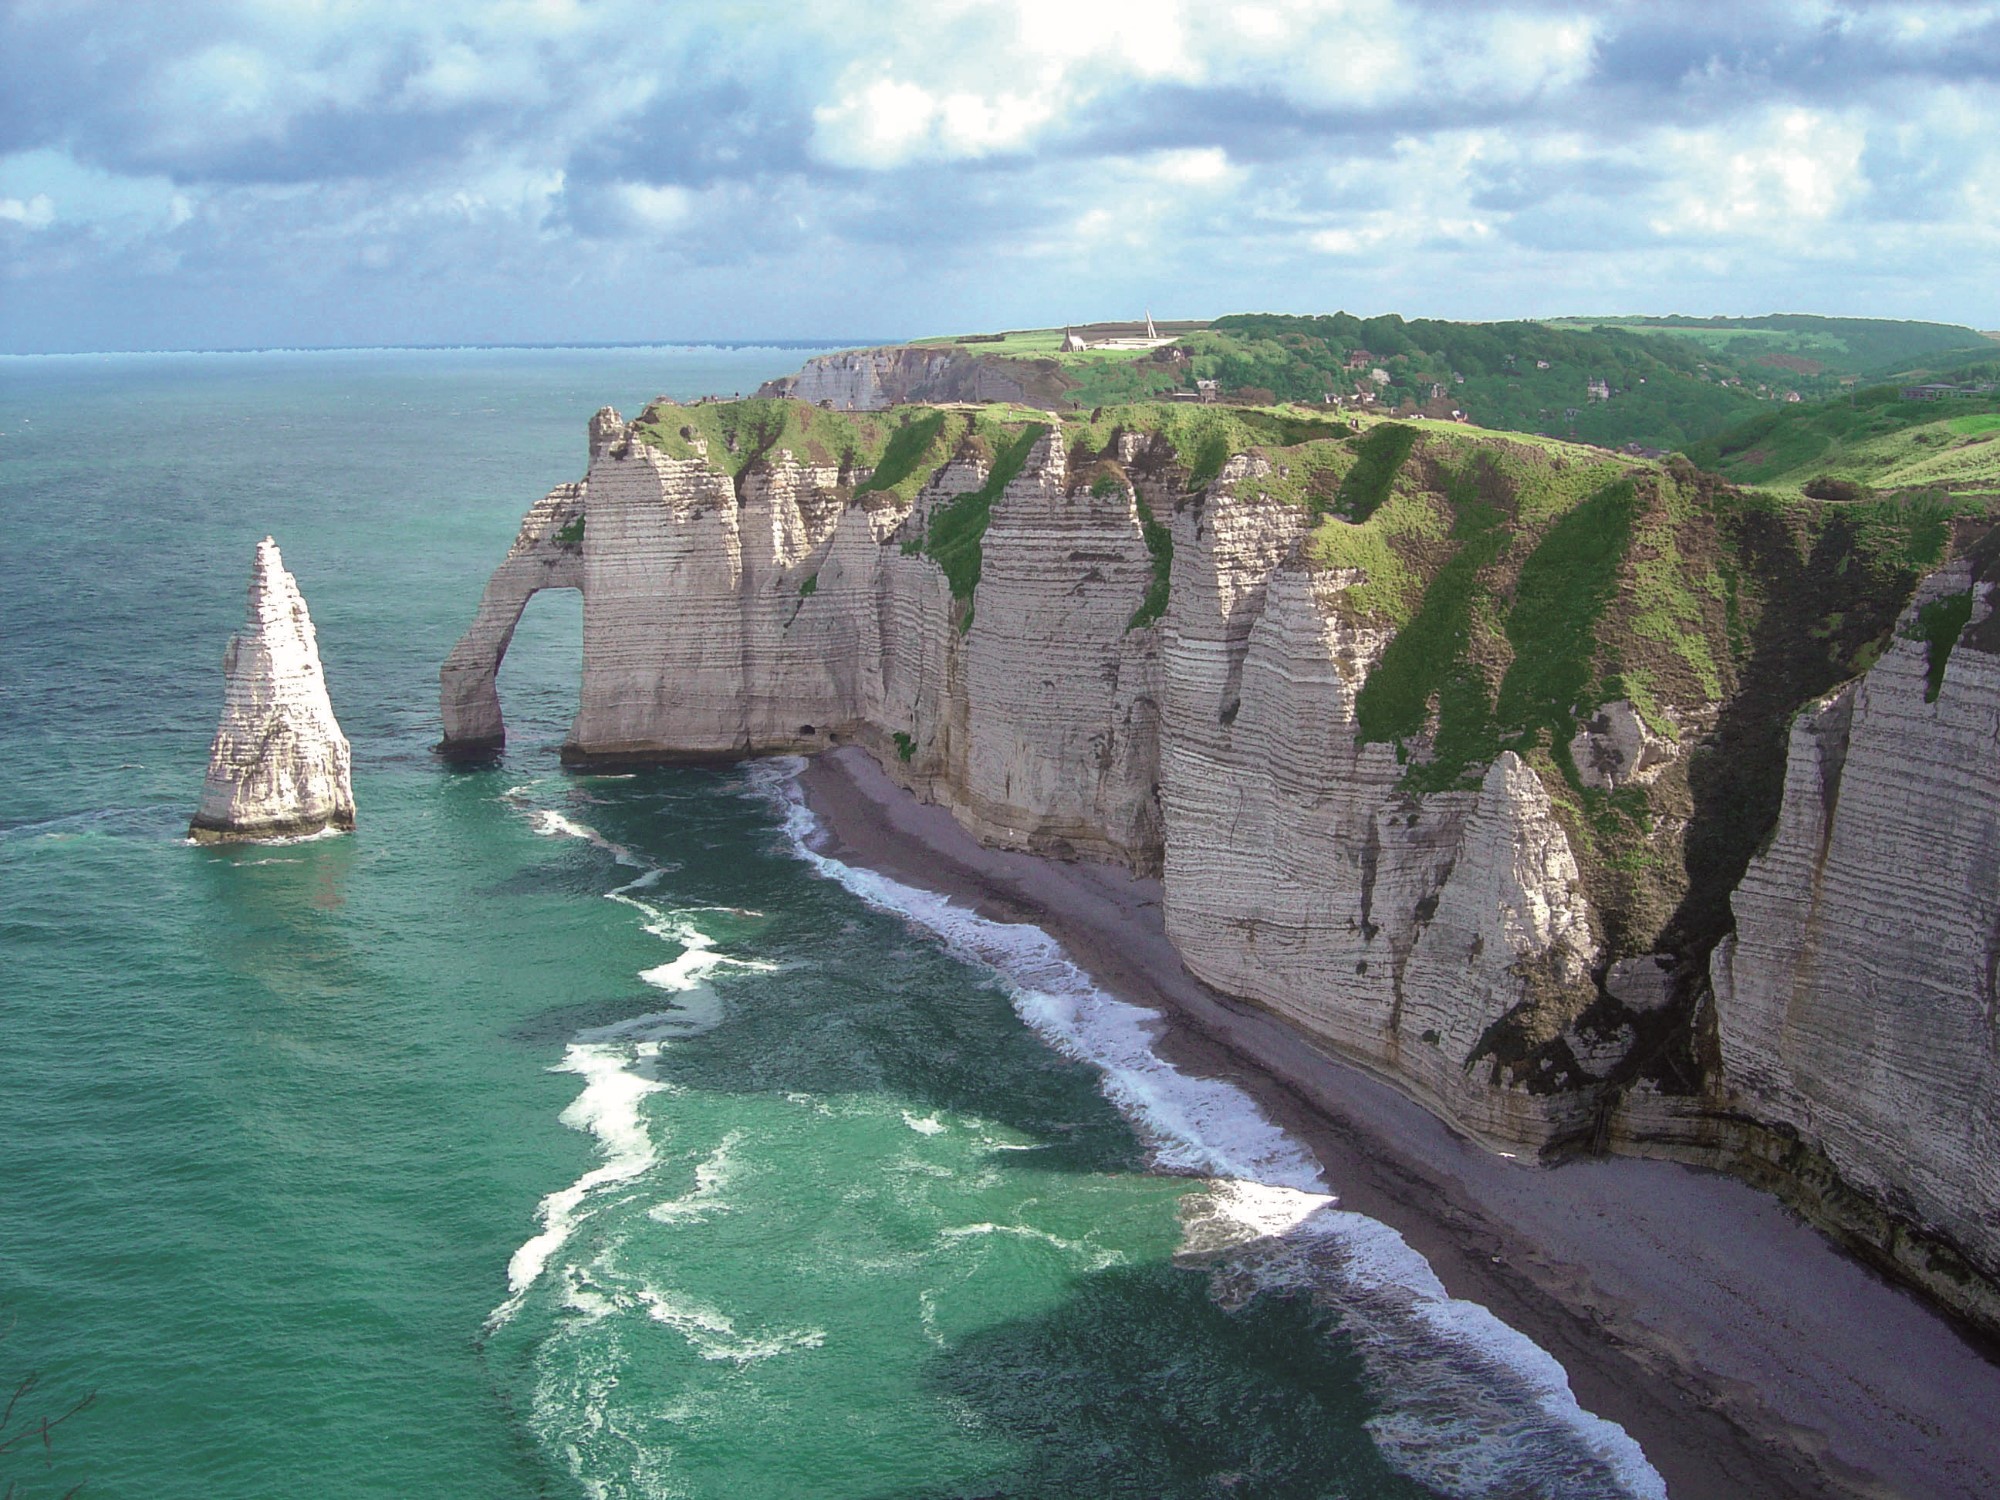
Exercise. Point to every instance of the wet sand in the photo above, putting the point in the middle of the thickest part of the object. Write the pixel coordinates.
(1747, 1355)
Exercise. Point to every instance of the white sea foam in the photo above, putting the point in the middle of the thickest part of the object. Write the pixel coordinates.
(1478, 1408)
(1093, 1257)
(271, 841)
(609, 1109)
(615, 1061)
(1198, 1126)
(714, 1173)
(713, 1334)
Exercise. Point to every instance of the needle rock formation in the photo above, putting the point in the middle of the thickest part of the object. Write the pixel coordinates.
(279, 764)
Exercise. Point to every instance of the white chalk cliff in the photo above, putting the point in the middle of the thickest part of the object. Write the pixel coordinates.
(1444, 939)
(279, 765)
(875, 379)
(1856, 1001)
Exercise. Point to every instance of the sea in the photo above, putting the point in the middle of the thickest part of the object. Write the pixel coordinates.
(582, 1135)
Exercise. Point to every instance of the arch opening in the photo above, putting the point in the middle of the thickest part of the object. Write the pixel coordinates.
(539, 676)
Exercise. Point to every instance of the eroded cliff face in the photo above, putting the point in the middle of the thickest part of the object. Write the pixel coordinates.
(1856, 1000)
(279, 765)
(788, 607)
(876, 379)
(1130, 643)
(1399, 928)
(776, 612)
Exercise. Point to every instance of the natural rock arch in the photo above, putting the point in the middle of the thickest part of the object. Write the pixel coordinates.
(547, 554)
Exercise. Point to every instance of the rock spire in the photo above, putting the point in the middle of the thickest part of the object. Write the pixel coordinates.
(279, 764)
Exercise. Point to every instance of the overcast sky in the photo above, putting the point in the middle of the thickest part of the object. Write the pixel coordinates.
(265, 172)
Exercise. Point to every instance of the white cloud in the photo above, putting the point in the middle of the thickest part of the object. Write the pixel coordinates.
(656, 208)
(880, 124)
(1783, 177)
(116, 205)
(460, 74)
(1151, 149)
(1198, 166)
(37, 212)
(886, 122)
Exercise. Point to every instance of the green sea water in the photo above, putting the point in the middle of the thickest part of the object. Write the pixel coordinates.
(563, 1135)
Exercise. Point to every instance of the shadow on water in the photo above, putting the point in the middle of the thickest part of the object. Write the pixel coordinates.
(268, 911)
(1141, 1385)
(865, 1003)
(1151, 1377)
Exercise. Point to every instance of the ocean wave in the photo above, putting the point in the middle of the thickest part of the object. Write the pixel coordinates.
(616, 1061)
(609, 1109)
(711, 1175)
(713, 1334)
(1092, 1257)
(1476, 1409)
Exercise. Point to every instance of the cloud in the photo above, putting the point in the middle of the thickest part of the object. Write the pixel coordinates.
(37, 212)
(959, 163)
(1791, 174)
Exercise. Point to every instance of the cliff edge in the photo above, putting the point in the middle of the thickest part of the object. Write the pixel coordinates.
(279, 765)
(1453, 749)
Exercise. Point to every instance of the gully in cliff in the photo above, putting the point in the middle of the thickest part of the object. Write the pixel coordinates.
(279, 764)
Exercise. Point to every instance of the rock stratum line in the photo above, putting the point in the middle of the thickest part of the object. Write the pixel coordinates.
(1593, 804)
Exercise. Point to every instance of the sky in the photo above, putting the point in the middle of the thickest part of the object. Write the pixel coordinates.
(256, 173)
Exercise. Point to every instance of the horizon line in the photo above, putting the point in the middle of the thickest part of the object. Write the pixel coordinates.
(458, 346)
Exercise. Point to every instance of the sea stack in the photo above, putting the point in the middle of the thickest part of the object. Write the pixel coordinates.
(279, 764)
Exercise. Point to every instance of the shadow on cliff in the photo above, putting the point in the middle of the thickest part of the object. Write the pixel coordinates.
(1820, 609)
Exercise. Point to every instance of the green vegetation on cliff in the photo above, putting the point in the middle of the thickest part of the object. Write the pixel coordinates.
(1498, 644)
(1938, 625)
(1510, 587)
(1561, 593)
(1428, 665)
(1657, 382)
(911, 456)
(957, 528)
(1378, 458)
(1201, 438)
(1160, 545)
(735, 437)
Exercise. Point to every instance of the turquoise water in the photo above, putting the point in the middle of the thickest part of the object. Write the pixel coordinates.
(561, 1135)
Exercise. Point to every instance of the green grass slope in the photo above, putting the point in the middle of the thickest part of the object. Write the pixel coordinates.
(1811, 353)
(1531, 581)
(1871, 440)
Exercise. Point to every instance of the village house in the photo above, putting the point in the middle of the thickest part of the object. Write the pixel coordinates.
(1941, 392)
